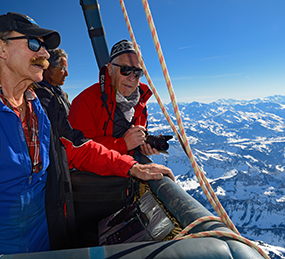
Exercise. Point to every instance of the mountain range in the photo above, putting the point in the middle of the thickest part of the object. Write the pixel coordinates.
(240, 146)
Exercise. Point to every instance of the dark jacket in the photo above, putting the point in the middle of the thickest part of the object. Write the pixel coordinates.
(69, 149)
(58, 189)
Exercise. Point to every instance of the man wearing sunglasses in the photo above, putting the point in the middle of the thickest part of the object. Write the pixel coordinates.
(35, 188)
(77, 152)
(113, 111)
(24, 135)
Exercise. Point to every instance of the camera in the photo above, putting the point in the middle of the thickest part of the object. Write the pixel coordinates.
(158, 142)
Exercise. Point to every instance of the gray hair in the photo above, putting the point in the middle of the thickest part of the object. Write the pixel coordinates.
(55, 56)
(4, 35)
(115, 60)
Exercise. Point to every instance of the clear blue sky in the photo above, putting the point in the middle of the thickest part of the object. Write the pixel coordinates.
(213, 48)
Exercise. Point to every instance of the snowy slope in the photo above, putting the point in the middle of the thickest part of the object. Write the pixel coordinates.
(240, 146)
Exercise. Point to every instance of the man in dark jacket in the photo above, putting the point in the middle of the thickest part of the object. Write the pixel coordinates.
(69, 149)
(55, 74)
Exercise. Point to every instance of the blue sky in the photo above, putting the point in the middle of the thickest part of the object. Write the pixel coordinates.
(213, 49)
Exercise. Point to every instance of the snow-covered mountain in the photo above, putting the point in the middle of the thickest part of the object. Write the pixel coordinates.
(240, 146)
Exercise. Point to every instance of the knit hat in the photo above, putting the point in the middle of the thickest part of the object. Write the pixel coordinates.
(121, 47)
(24, 24)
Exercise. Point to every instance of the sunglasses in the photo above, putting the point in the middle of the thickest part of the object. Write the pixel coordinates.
(62, 68)
(126, 71)
(34, 44)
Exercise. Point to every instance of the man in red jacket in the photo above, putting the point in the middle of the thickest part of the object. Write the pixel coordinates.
(69, 149)
(83, 154)
(113, 111)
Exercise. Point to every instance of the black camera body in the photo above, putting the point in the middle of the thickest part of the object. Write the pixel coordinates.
(158, 142)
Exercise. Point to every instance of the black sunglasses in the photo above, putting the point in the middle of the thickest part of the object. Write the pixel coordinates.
(125, 70)
(34, 44)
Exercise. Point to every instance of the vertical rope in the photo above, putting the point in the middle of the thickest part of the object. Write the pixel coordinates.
(184, 142)
(147, 75)
(199, 173)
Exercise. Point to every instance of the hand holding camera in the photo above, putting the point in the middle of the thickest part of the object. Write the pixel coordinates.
(158, 142)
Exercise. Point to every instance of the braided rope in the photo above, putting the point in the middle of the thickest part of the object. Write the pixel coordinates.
(182, 234)
(227, 234)
(198, 172)
(183, 140)
(162, 106)
(146, 73)
(196, 223)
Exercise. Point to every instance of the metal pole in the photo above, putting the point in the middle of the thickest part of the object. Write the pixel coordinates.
(96, 31)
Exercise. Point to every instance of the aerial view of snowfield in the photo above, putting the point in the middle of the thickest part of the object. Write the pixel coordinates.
(240, 146)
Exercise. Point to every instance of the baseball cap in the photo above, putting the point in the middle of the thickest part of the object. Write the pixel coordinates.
(24, 24)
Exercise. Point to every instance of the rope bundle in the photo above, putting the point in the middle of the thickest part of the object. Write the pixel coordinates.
(183, 234)
(213, 199)
(205, 185)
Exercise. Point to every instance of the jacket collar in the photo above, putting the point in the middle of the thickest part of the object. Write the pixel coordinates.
(55, 89)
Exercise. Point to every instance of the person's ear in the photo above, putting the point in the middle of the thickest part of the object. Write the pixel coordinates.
(109, 66)
(48, 70)
(3, 49)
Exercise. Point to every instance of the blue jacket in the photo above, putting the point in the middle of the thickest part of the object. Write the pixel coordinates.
(23, 224)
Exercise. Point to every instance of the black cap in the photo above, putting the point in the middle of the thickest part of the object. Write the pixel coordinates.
(24, 24)
(121, 47)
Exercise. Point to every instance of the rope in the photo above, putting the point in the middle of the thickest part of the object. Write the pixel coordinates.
(198, 172)
(154, 90)
(183, 141)
(147, 75)
(196, 223)
(213, 199)
(182, 234)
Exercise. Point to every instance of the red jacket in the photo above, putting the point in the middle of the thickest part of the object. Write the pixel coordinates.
(88, 113)
(82, 154)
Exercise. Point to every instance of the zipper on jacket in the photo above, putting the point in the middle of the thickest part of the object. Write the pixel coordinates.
(30, 178)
